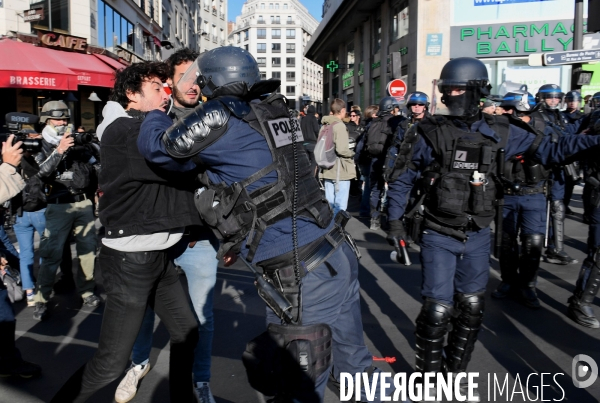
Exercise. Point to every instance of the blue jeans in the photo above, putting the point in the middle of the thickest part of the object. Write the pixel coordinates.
(335, 300)
(25, 228)
(451, 266)
(338, 199)
(8, 248)
(365, 203)
(200, 266)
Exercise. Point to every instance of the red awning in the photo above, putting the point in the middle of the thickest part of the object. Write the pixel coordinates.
(88, 69)
(23, 65)
(111, 62)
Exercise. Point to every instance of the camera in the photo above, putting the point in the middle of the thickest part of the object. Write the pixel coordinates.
(82, 139)
(14, 123)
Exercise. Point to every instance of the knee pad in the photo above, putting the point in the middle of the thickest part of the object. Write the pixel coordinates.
(432, 322)
(532, 245)
(470, 309)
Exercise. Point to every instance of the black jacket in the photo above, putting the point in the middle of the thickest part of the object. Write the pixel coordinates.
(309, 125)
(139, 199)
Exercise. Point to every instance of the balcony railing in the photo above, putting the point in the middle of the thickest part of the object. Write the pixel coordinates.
(290, 51)
(275, 50)
(290, 22)
(214, 11)
(275, 36)
(261, 22)
(261, 36)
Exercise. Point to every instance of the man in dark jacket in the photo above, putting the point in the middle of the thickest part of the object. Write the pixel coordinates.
(145, 212)
(310, 129)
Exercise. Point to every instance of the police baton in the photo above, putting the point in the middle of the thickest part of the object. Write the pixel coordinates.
(401, 252)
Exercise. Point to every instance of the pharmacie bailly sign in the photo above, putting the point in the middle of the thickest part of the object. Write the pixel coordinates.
(506, 40)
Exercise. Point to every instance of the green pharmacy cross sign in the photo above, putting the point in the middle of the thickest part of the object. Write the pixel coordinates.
(332, 66)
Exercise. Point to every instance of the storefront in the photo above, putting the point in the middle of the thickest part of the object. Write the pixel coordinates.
(59, 68)
(503, 35)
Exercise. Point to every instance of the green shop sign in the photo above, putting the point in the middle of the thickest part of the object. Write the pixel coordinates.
(347, 79)
(519, 39)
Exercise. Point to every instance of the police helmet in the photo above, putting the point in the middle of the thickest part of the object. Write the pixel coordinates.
(227, 70)
(55, 110)
(387, 105)
(417, 98)
(519, 100)
(470, 77)
(547, 91)
(595, 101)
(573, 96)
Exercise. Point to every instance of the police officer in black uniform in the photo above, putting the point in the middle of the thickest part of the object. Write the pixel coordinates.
(588, 283)
(378, 139)
(524, 212)
(458, 158)
(254, 160)
(572, 114)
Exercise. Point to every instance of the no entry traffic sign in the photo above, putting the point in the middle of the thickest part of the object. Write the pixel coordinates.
(397, 89)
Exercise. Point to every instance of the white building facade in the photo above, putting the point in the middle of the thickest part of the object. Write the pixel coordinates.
(275, 33)
(200, 25)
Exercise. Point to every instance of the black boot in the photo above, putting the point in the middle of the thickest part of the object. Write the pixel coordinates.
(588, 283)
(462, 338)
(509, 266)
(529, 264)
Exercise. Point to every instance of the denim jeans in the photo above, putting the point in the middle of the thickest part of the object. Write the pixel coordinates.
(25, 228)
(62, 220)
(365, 201)
(335, 300)
(8, 248)
(338, 199)
(200, 266)
(134, 280)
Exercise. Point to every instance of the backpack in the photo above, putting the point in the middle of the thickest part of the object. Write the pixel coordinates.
(377, 136)
(325, 148)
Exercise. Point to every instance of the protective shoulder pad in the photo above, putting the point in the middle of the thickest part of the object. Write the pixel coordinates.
(238, 107)
(197, 130)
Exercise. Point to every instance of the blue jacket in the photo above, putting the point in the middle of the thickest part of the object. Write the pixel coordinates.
(519, 142)
(236, 155)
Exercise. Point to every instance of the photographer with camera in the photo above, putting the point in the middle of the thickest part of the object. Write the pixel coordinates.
(11, 183)
(67, 169)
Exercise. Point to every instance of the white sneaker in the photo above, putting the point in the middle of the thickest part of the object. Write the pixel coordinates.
(203, 392)
(128, 386)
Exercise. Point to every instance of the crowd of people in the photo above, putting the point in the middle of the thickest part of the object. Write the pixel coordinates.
(182, 181)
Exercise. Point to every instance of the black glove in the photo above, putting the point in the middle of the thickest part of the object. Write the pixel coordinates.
(396, 231)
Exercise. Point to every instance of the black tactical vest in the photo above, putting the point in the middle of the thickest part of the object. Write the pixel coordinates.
(240, 214)
(452, 200)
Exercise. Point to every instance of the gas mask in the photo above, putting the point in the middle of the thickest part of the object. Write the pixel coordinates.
(53, 134)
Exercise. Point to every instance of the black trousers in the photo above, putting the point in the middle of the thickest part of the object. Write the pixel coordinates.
(132, 281)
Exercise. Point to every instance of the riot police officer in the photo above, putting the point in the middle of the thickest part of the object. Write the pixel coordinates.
(458, 158)
(573, 106)
(418, 106)
(253, 164)
(378, 139)
(572, 114)
(524, 212)
(588, 283)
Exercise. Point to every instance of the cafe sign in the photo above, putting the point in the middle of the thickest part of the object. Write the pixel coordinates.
(62, 41)
(520, 39)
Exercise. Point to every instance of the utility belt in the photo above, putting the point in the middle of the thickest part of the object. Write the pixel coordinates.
(523, 191)
(68, 199)
(280, 269)
(455, 232)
